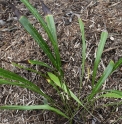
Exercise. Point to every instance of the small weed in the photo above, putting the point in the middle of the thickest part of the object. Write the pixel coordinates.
(56, 76)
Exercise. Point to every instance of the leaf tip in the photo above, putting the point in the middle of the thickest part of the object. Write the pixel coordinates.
(105, 30)
(45, 9)
(15, 10)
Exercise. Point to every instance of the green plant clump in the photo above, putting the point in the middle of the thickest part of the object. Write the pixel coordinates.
(56, 77)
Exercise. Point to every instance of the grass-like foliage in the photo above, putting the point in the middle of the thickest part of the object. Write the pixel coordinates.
(56, 77)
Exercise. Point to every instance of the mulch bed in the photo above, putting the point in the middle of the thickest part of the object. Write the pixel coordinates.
(17, 45)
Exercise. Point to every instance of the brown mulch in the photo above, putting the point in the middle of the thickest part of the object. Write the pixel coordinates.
(17, 45)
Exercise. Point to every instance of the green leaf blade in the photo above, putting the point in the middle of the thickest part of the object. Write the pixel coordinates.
(52, 28)
(55, 79)
(63, 86)
(34, 62)
(12, 76)
(101, 45)
(112, 94)
(49, 28)
(83, 48)
(36, 14)
(28, 69)
(102, 79)
(34, 107)
(117, 64)
(38, 38)
(7, 76)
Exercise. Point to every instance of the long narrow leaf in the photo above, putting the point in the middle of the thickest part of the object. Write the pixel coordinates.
(46, 28)
(23, 82)
(117, 64)
(101, 45)
(29, 69)
(112, 94)
(10, 75)
(34, 107)
(13, 76)
(63, 86)
(104, 76)
(3, 81)
(83, 48)
(51, 26)
(34, 62)
(34, 33)
(113, 104)
(38, 38)
(23, 85)
(56, 80)
(38, 17)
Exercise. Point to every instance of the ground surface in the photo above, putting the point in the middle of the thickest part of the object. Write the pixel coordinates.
(17, 45)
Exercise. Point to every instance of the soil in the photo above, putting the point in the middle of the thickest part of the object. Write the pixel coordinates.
(17, 45)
